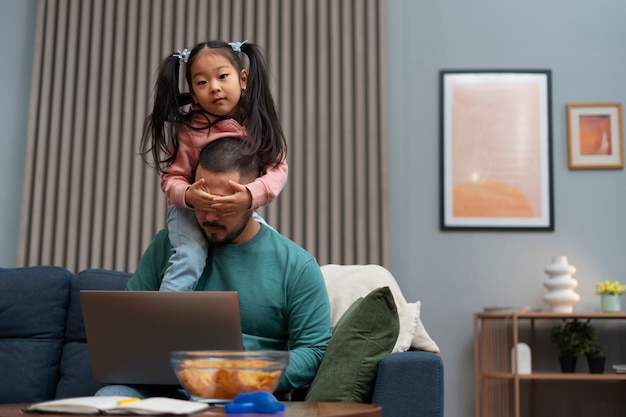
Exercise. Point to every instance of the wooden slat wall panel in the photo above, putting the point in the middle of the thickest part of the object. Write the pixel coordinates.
(89, 202)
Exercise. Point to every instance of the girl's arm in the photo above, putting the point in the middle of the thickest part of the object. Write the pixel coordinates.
(178, 176)
(260, 192)
(266, 188)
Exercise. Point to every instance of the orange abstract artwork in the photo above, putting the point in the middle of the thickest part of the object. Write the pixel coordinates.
(595, 135)
(495, 169)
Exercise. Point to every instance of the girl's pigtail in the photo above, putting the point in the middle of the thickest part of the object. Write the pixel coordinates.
(262, 123)
(160, 130)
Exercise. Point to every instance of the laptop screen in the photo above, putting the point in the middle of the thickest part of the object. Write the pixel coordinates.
(131, 334)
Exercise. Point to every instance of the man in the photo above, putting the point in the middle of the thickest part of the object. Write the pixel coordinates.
(282, 295)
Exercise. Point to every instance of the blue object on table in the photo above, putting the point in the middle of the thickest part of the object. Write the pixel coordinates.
(258, 402)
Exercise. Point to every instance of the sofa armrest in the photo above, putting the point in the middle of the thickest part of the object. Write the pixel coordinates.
(410, 384)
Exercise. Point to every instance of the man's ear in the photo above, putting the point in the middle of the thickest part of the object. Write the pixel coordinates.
(243, 79)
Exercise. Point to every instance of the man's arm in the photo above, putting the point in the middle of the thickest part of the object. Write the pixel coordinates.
(309, 327)
(149, 272)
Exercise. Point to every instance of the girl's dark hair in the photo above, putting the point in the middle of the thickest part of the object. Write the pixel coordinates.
(256, 109)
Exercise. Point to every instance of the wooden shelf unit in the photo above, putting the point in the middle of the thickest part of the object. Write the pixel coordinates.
(496, 337)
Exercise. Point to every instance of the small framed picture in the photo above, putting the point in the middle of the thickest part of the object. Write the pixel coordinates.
(595, 135)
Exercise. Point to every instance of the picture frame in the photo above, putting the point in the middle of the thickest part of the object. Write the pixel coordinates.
(595, 136)
(496, 150)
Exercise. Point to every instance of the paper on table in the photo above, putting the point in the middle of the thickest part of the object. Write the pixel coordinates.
(111, 405)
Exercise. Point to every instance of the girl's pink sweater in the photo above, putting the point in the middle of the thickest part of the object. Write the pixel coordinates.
(179, 175)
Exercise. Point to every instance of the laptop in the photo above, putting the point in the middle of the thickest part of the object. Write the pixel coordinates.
(131, 334)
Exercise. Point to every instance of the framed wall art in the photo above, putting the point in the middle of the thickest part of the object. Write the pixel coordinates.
(595, 136)
(496, 150)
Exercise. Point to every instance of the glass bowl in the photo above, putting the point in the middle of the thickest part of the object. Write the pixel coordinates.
(218, 376)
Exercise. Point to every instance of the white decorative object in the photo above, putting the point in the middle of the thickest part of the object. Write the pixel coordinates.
(560, 284)
(523, 358)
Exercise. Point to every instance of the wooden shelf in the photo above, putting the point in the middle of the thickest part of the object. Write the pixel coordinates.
(556, 376)
(498, 390)
(548, 315)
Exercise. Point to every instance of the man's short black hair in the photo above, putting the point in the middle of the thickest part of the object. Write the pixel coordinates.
(231, 154)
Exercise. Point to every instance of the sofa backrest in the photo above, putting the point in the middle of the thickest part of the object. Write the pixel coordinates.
(33, 313)
(43, 349)
(76, 378)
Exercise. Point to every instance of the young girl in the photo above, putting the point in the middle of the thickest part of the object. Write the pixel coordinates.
(224, 99)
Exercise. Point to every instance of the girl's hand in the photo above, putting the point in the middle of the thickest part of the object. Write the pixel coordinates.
(198, 196)
(238, 202)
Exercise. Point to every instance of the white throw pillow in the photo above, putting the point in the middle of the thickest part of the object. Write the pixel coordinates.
(346, 283)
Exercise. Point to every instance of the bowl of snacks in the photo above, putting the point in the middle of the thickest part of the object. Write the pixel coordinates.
(218, 376)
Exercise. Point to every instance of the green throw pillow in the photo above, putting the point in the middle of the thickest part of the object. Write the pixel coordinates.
(366, 332)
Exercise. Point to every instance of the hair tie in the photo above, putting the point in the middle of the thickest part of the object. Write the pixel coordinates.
(183, 56)
(237, 45)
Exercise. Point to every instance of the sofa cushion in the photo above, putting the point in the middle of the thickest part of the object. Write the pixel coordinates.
(33, 312)
(76, 378)
(363, 335)
(346, 283)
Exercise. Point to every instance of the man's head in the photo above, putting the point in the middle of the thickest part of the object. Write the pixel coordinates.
(221, 161)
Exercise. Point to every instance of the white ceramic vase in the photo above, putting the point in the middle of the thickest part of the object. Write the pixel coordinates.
(560, 284)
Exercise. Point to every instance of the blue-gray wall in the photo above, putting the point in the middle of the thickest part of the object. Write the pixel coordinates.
(453, 274)
(17, 33)
(456, 274)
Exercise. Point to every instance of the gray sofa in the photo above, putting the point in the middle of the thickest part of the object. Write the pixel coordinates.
(43, 350)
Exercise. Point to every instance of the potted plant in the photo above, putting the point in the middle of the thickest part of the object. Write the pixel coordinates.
(569, 338)
(609, 295)
(594, 352)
